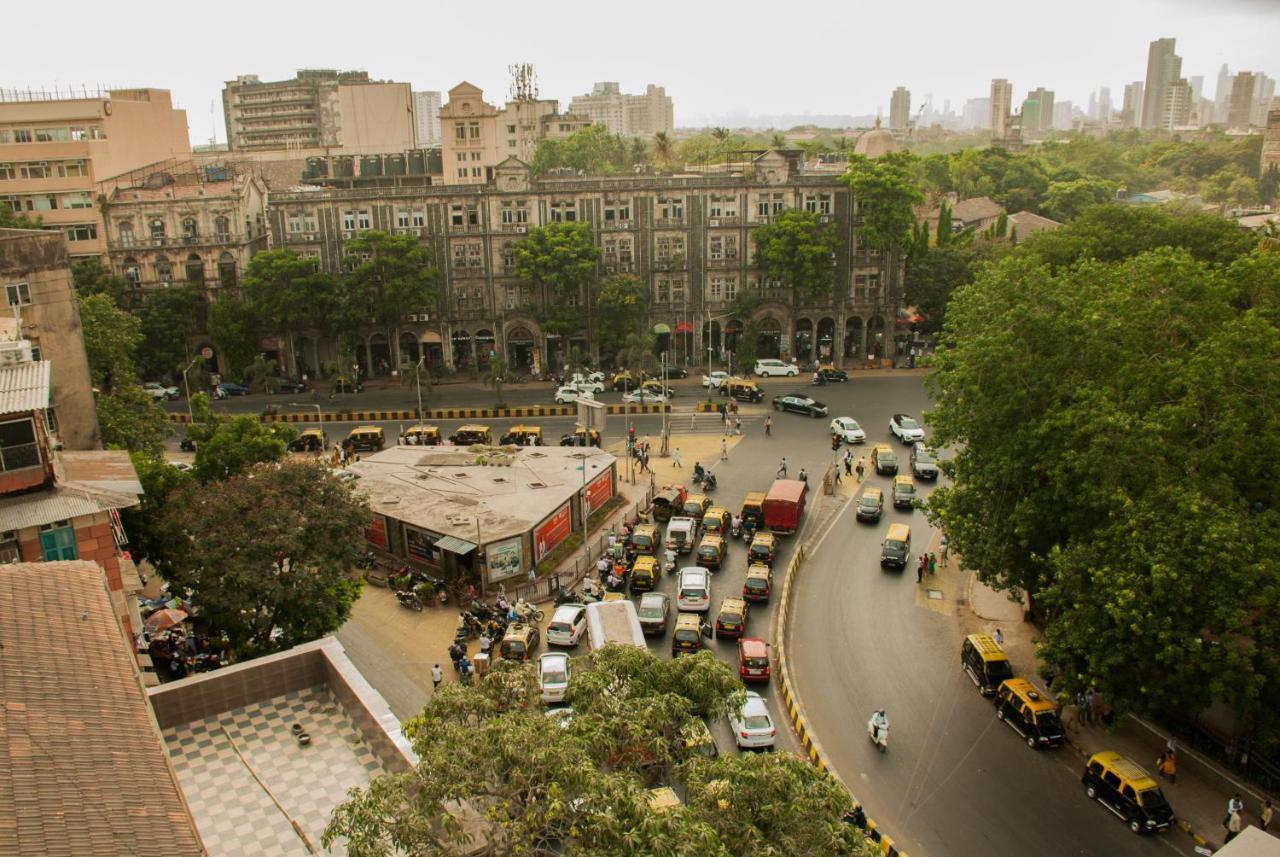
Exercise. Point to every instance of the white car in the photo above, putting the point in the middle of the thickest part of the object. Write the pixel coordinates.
(905, 428)
(848, 430)
(160, 392)
(769, 368)
(553, 676)
(588, 383)
(645, 397)
(694, 592)
(752, 726)
(570, 393)
(714, 380)
(568, 625)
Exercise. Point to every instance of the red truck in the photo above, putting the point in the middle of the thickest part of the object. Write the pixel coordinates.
(784, 505)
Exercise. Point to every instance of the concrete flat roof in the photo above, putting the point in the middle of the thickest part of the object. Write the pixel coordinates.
(446, 489)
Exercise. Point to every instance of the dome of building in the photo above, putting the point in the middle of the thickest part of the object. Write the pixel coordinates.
(876, 142)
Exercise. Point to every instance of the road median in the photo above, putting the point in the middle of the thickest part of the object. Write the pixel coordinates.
(344, 415)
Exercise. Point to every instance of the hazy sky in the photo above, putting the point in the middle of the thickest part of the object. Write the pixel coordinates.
(714, 58)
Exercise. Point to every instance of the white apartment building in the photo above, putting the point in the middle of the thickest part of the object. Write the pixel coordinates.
(631, 115)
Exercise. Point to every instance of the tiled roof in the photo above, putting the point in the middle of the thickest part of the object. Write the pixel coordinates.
(1029, 222)
(84, 769)
(975, 209)
(24, 388)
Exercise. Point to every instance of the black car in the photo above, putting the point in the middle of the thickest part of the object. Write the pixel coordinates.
(677, 372)
(285, 385)
(832, 375)
(799, 403)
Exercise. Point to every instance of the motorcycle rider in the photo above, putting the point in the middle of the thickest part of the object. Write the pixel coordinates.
(802, 476)
(669, 559)
(879, 725)
(698, 473)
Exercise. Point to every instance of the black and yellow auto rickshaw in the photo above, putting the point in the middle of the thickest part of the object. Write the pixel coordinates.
(311, 440)
(523, 436)
(710, 553)
(470, 435)
(753, 510)
(716, 521)
(421, 436)
(580, 437)
(644, 539)
(668, 502)
(644, 574)
(763, 547)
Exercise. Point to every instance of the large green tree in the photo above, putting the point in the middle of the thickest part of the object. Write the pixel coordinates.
(169, 318)
(267, 554)
(90, 277)
(535, 786)
(290, 295)
(886, 196)
(1115, 423)
(622, 306)
(559, 259)
(130, 419)
(1065, 200)
(799, 249)
(235, 327)
(931, 280)
(228, 445)
(111, 336)
(394, 274)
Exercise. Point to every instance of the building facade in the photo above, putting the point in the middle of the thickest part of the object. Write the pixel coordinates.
(1001, 107)
(1271, 142)
(54, 151)
(426, 118)
(1044, 122)
(318, 109)
(689, 239)
(1131, 110)
(632, 115)
(1164, 69)
(899, 109)
(36, 275)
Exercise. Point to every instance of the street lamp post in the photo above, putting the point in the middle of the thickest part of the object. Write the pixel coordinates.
(186, 385)
(711, 319)
(417, 377)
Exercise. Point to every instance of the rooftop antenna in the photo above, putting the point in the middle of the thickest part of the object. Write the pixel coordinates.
(524, 82)
(213, 125)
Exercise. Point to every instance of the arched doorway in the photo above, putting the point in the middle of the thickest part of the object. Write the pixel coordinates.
(379, 355)
(409, 351)
(853, 336)
(461, 346)
(875, 338)
(826, 339)
(195, 270)
(770, 344)
(521, 349)
(804, 339)
(433, 348)
(484, 348)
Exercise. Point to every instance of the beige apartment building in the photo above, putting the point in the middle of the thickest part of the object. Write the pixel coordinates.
(55, 150)
(640, 115)
(182, 223)
(1271, 141)
(318, 111)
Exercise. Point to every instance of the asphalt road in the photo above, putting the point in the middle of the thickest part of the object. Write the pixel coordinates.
(954, 780)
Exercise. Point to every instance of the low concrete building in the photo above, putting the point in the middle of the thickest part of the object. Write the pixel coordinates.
(1024, 224)
(489, 512)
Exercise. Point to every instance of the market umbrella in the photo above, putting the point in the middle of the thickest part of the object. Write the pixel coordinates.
(163, 619)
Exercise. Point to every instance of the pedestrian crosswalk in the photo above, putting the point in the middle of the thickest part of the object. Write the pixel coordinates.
(709, 423)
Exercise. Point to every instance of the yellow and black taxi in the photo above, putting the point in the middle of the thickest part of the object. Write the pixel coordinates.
(519, 641)
(421, 436)
(895, 550)
(870, 504)
(758, 585)
(644, 539)
(884, 459)
(580, 437)
(752, 512)
(626, 380)
(716, 521)
(764, 547)
(469, 435)
(985, 662)
(742, 389)
(696, 505)
(710, 553)
(311, 440)
(687, 639)
(523, 436)
(366, 439)
(904, 492)
(1127, 790)
(654, 386)
(343, 384)
(731, 621)
(1031, 712)
(829, 373)
(644, 574)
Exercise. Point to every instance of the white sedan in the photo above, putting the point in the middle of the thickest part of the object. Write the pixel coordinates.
(553, 676)
(905, 429)
(589, 384)
(160, 392)
(848, 430)
(569, 393)
(645, 397)
(714, 380)
(752, 726)
(769, 368)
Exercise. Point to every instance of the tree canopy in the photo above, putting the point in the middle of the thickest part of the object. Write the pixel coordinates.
(1115, 422)
(885, 192)
(169, 317)
(798, 249)
(111, 337)
(533, 784)
(227, 445)
(267, 553)
(592, 150)
(622, 307)
(395, 274)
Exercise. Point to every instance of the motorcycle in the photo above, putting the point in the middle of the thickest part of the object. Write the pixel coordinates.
(669, 562)
(699, 476)
(736, 530)
(878, 733)
(365, 559)
(748, 532)
(564, 596)
(408, 598)
(528, 613)
(709, 484)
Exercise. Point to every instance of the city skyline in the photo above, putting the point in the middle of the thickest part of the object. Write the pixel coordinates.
(673, 48)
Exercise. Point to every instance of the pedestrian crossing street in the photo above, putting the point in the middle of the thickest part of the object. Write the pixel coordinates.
(691, 423)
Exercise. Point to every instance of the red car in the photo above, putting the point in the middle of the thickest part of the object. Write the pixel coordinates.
(753, 659)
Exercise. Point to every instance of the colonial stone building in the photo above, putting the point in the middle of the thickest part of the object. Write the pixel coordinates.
(688, 237)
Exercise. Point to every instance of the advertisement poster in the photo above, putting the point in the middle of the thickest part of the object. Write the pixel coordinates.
(375, 532)
(503, 558)
(599, 491)
(551, 532)
(420, 545)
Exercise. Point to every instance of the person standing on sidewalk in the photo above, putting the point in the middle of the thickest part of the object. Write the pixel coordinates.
(942, 549)
(437, 676)
(724, 449)
(920, 571)
(933, 563)
(737, 424)
(1235, 806)
(998, 636)
(1090, 704)
(1233, 827)
(675, 458)
(848, 463)
(1167, 765)
(1267, 812)
(782, 468)
(768, 425)
(862, 467)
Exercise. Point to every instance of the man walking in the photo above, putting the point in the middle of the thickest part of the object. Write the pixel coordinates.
(768, 425)
(920, 571)
(737, 424)
(862, 467)
(724, 449)
(848, 463)
(675, 458)
(782, 468)
(942, 549)
(437, 676)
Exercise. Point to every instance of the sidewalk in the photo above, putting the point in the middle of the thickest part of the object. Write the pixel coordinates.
(1199, 798)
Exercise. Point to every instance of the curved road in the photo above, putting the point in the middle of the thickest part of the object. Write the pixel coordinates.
(954, 781)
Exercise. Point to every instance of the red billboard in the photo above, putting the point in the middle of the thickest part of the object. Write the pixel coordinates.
(376, 531)
(599, 491)
(551, 532)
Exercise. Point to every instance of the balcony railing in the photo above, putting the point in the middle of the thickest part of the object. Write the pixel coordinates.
(19, 456)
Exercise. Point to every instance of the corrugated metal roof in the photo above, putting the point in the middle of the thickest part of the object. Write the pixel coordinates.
(34, 510)
(24, 388)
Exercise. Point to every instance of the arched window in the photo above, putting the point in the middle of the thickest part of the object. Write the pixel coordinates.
(227, 270)
(164, 270)
(132, 273)
(157, 231)
(222, 226)
(195, 270)
(188, 227)
(126, 234)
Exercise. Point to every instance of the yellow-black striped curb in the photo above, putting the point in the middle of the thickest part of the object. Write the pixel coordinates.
(374, 416)
(812, 750)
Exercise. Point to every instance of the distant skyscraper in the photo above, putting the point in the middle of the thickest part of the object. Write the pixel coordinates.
(1030, 118)
(632, 115)
(1063, 115)
(1001, 105)
(1104, 104)
(1164, 68)
(977, 113)
(1178, 103)
(1197, 86)
(1264, 90)
(1222, 96)
(1240, 108)
(426, 118)
(899, 109)
(1131, 112)
(1044, 97)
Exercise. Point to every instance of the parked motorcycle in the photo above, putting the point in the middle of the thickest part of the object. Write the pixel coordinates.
(408, 598)
(564, 596)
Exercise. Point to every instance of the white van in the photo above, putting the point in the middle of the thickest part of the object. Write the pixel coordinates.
(769, 368)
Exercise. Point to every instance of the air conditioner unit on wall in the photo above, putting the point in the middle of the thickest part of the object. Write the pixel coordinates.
(522, 229)
(713, 222)
(413, 317)
(826, 218)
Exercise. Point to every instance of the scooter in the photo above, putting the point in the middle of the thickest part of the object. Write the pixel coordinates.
(879, 735)
(408, 598)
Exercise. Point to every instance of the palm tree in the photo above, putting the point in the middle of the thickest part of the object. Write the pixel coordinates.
(721, 135)
(496, 376)
(778, 140)
(663, 150)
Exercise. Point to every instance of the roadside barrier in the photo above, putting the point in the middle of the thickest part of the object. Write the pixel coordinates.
(345, 416)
